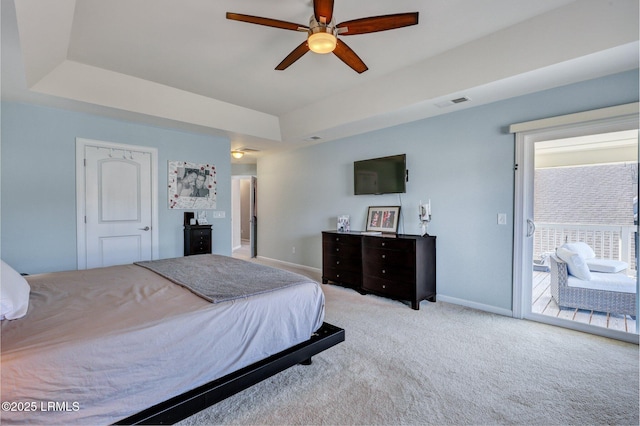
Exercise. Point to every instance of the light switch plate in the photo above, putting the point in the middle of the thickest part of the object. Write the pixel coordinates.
(218, 215)
(502, 218)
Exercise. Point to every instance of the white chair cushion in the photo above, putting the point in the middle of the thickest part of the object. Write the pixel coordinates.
(583, 249)
(610, 266)
(604, 281)
(576, 264)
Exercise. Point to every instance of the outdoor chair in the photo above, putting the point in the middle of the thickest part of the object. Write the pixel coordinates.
(604, 292)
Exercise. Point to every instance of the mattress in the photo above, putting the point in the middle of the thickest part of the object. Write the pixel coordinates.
(100, 345)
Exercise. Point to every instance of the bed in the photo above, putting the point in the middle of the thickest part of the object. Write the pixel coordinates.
(125, 344)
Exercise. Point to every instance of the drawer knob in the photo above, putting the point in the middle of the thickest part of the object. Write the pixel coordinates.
(337, 249)
(384, 286)
(384, 272)
(337, 262)
(383, 244)
(337, 238)
(337, 275)
(384, 256)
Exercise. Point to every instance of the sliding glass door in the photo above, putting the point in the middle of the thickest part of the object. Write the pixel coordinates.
(578, 184)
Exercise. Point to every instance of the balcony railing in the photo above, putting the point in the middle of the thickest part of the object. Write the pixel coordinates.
(607, 241)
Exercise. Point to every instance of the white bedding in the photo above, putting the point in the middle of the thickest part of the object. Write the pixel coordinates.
(94, 349)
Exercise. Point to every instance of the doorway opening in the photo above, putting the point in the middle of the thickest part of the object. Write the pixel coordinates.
(245, 219)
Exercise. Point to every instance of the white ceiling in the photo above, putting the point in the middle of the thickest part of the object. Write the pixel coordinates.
(597, 149)
(181, 63)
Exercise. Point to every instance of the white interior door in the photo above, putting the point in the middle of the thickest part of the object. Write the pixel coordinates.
(117, 221)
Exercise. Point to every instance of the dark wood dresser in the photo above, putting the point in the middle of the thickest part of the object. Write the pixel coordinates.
(396, 266)
(197, 239)
(342, 259)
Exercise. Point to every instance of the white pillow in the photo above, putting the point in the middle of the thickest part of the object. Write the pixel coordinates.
(583, 249)
(14, 293)
(576, 264)
(606, 265)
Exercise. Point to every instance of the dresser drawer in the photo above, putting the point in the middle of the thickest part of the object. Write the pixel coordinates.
(201, 233)
(340, 239)
(352, 278)
(341, 263)
(391, 271)
(389, 243)
(384, 257)
(200, 250)
(346, 251)
(391, 288)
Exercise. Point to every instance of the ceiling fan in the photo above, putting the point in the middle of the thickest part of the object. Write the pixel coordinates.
(322, 32)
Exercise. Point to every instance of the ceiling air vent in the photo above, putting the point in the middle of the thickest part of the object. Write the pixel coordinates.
(313, 138)
(451, 102)
(460, 100)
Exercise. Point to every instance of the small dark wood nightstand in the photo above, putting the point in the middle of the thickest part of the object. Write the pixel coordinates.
(197, 239)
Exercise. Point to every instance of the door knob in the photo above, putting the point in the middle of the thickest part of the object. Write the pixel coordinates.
(146, 228)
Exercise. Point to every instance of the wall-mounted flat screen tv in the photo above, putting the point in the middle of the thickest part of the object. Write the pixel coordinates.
(385, 175)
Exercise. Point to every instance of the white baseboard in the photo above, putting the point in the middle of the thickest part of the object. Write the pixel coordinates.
(292, 265)
(474, 305)
(439, 297)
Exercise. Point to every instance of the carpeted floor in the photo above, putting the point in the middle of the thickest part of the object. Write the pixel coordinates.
(444, 364)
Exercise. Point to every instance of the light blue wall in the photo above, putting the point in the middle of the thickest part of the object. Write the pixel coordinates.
(38, 216)
(462, 161)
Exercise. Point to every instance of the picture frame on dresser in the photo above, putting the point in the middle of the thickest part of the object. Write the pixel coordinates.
(383, 219)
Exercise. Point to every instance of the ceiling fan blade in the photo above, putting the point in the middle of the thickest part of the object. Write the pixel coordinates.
(377, 23)
(296, 54)
(268, 22)
(323, 9)
(349, 57)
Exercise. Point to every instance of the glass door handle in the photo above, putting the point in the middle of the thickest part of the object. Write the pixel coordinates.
(531, 228)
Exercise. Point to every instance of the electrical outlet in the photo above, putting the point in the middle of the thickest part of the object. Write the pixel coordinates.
(293, 250)
(502, 218)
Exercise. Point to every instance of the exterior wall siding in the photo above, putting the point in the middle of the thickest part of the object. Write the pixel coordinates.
(599, 195)
(596, 195)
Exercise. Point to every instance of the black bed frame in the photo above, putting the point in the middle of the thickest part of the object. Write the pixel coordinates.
(182, 406)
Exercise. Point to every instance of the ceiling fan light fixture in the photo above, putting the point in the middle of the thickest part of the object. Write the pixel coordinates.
(237, 154)
(322, 42)
(323, 32)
